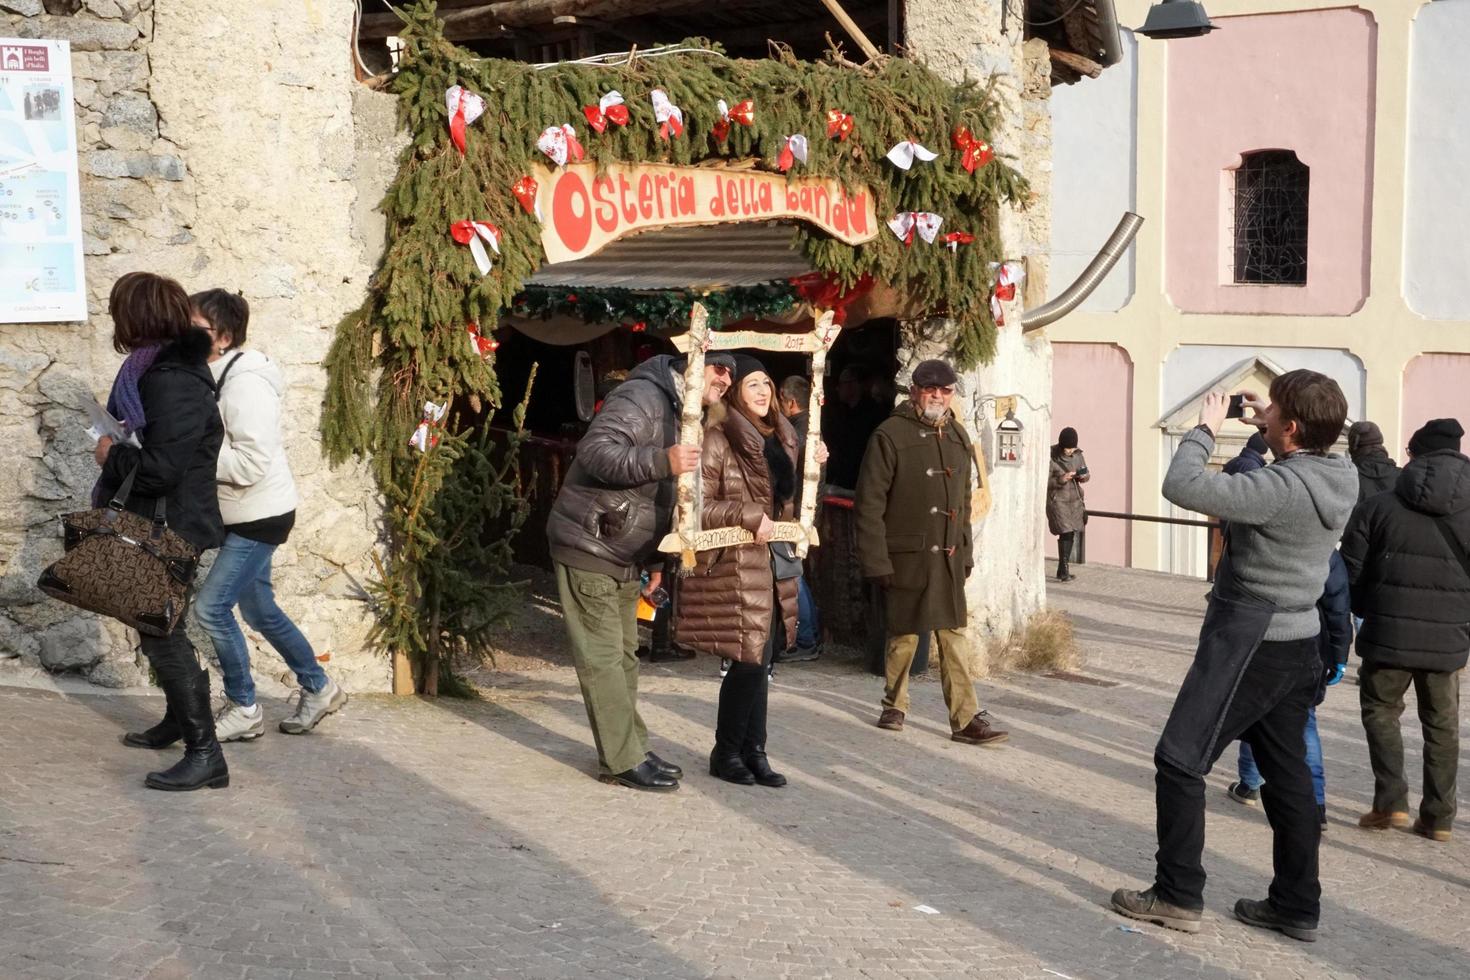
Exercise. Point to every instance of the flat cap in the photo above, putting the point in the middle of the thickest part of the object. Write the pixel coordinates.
(934, 372)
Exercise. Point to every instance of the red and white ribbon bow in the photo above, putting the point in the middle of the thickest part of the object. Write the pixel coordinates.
(525, 192)
(464, 108)
(743, 113)
(474, 234)
(560, 144)
(839, 124)
(484, 346)
(1008, 275)
(792, 150)
(905, 152)
(977, 153)
(423, 437)
(609, 109)
(955, 239)
(670, 117)
(906, 223)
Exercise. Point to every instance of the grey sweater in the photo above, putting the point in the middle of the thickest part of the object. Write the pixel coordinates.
(1285, 520)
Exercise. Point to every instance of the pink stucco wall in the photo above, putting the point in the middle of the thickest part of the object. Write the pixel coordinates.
(1092, 391)
(1298, 81)
(1434, 388)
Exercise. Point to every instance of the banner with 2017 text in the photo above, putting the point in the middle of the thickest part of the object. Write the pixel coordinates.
(41, 274)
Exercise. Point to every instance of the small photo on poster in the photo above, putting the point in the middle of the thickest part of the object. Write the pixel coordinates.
(42, 103)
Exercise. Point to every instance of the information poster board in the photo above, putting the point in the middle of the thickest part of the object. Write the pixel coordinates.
(41, 275)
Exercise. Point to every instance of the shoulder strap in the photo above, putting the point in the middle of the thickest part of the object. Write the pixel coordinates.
(220, 382)
(1441, 524)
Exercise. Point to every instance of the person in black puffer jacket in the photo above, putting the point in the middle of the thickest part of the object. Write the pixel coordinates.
(614, 506)
(1377, 473)
(166, 395)
(1406, 557)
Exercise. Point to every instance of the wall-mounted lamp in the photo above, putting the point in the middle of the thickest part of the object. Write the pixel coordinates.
(1170, 19)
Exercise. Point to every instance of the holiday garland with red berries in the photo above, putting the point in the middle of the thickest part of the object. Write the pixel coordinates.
(463, 238)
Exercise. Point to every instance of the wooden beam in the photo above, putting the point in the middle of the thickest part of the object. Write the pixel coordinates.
(1076, 62)
(853, 31)
(490, 19)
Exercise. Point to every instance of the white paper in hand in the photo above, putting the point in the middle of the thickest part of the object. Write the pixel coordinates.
(103, 424)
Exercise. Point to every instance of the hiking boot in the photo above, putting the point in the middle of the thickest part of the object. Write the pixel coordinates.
(1241, 793)
(724, 666)
(1148, 907)
(979, 732)
(1424, 830)
(236, 723)
(891, 719)
(1377, 820)
(311, 708)
(1262, 915)
(797, 655)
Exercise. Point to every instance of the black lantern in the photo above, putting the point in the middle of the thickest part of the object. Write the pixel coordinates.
(1008, 440)
(1169, 19)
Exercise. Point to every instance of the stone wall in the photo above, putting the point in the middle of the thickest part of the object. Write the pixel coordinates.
(223, 144)
(962, 39)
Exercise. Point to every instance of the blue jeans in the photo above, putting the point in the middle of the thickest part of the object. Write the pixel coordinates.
(242, 575)
(808, 626)
(1251, 776)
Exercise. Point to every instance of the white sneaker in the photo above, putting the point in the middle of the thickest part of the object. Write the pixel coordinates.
(724, 666)
(312, 708)
(237, 723)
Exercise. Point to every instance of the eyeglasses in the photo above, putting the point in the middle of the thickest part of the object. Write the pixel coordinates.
(720, 370)
(945, 390)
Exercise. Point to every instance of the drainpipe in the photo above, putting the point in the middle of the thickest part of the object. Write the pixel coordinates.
(1092, 276)
(1107, 25)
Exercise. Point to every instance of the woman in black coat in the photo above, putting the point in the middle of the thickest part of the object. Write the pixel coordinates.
(165, 394)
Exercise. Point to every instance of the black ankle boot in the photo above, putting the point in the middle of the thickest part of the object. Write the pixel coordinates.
(160, 736)
(203, 763)
(760, 767)
(727, 765)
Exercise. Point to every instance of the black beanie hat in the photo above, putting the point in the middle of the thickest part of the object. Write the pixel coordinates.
(1068, 438)
(1435, 435)
(745, 366)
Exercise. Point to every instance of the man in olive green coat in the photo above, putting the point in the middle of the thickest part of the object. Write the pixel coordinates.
(913, 542)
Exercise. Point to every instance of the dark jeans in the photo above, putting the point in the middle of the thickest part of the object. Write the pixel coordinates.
(741, 722)
(1270, 710)
(172, 657)
(1381, 695)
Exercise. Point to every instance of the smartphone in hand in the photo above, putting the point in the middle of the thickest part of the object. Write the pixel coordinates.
(1237, 407)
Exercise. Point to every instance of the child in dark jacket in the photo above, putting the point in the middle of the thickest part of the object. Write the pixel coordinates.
(1333, 644)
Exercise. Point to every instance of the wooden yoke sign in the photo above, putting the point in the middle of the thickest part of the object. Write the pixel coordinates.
(584, 210)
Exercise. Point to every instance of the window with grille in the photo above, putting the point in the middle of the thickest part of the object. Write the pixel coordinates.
(1271, 219)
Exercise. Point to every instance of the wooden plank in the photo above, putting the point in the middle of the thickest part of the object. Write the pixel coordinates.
(691, 433)
(491, 19)
(825, 332)
(853, 30)
(786, 343)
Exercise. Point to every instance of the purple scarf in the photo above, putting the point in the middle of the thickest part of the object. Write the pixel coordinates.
(125, 403)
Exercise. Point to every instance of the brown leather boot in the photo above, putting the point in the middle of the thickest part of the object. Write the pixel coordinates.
(891, 719)
(979, 732)
(1377, 820)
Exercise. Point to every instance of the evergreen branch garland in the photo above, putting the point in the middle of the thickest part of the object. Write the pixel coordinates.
(408, 342)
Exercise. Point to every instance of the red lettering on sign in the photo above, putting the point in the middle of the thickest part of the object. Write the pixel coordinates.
(717, 203)
(661, 193)
(765, 198)
(607, 209)
(645, 196)
(571, 212)
(629, 206)
(685, 192)
(857, 214)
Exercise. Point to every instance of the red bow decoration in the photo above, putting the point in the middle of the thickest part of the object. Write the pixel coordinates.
(482, 345)
(433, 418)
(670, 117)
(474, 234)
(464, 108)
(955, 239)
(560, 144)
(906, 223)
(823, 292)
(977, 153)
(792, 150)
(743, 113)
(839, 124)
(609, 109)
(638, 327)
(1007, 276)
(525, 191)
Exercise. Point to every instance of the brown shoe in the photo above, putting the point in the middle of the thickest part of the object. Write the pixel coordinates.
(1424, 830)
(891, 719)
(979, 732)
(1375, 820)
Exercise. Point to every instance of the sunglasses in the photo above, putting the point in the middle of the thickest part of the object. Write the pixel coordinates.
(937, 389)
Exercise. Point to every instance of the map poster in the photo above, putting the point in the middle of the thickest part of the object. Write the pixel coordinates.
(41, 276)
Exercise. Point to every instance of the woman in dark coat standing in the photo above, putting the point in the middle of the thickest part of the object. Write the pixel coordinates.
(1066, 509)
(733, 604)
(165, 394)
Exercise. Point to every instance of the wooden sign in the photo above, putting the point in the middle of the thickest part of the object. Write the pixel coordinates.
(809, 342)
(585, 210)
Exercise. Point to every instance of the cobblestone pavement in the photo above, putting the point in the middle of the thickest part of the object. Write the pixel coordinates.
(410, 838)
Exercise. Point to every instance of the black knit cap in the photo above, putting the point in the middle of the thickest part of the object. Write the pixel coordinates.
(745, 366)
(1435, 435)
(1067, 439)
(933, 373)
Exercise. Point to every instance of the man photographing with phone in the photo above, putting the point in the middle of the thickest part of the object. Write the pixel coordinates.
(1256, 669)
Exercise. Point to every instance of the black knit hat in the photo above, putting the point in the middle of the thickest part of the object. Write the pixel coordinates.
(745, 366)
(1068, 438)
(1435, 435)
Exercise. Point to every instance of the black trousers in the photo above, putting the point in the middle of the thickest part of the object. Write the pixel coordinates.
(172, 657)
(741, 722)
(1270, 711)
(1064, 547)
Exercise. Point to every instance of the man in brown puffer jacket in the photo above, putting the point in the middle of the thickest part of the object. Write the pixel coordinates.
(913, 542)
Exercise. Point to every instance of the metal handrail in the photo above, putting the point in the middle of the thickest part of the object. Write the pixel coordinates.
(1211, 529)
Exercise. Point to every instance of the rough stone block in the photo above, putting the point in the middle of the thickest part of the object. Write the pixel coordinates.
(74, 644)
(105, 8)
(84, 34)
(117, 674)
(26, 8)
(113, 164)
(134, 111)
